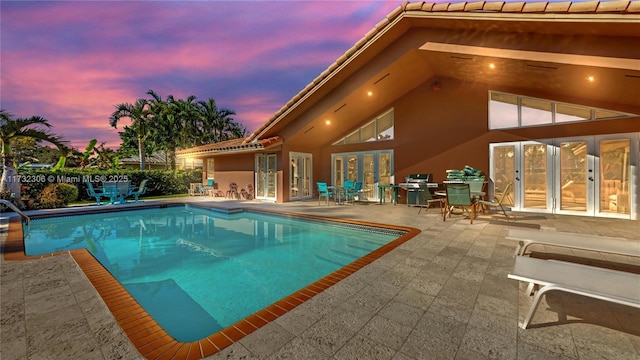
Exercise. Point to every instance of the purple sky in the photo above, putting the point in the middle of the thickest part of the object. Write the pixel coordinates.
(71, 62)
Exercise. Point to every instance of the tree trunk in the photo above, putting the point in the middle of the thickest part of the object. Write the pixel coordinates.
(141, 152)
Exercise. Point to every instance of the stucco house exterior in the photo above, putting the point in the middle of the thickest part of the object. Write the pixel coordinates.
(543, 95)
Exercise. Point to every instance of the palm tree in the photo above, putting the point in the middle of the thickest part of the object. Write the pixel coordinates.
(217, 124)
(139, 114)
(34, 127)
(175, 123)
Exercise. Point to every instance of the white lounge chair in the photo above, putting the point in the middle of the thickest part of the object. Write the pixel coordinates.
(604, 284)
(527, 237)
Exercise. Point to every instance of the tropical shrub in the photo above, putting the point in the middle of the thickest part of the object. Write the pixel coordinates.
(160, 182)
(58, 195)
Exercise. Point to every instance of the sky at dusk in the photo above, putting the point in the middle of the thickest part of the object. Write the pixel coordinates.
(71, 62)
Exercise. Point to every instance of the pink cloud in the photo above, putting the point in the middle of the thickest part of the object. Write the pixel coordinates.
(71, 62)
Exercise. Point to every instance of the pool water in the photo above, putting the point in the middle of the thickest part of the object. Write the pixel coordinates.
(197, 271)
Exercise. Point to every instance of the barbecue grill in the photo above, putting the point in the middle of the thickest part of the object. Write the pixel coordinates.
(412, 186)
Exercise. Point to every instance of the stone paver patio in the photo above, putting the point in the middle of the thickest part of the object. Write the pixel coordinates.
(442, 295)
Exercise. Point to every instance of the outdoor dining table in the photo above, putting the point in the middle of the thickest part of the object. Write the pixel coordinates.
(338, 191)
(121, 189)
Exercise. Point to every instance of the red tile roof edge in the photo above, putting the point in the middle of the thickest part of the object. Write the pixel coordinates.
(231, 146)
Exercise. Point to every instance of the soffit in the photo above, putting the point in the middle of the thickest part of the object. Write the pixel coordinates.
(339, 93)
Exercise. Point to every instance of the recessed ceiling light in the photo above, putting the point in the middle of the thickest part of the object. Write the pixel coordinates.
(328, 122)
(590, 78)
(492, 66)
(369, 93)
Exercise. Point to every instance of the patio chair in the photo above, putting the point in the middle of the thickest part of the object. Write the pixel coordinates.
(232, 193)
(349, 184)
(142, 188)
(98, 194)
(249, 194)
(210, 187)
(324, 191)
(459, 196)
(428, 199)
(498, 200)
(196, 189)
(352, 192)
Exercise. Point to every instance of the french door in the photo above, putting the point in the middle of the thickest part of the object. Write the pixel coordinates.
(266, 176)
(591, 176)
(300, 175)
(372, 168)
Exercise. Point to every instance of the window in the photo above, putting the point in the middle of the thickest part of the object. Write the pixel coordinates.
(210, 169)
(512, 111)
(535, 112)
(503, 110)
(378, 129)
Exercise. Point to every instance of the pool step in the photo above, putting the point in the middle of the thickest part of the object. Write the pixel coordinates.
(376, 243)
(337, 257)
(367, 248)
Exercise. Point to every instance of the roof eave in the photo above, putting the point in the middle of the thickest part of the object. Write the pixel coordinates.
(592, 11)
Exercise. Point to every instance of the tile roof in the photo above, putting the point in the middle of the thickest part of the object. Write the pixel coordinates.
(541, 7)
(233, 145)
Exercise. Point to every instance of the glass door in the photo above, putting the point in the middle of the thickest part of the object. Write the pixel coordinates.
(352, 168)
(338, 170)
(617, 178)
(504, 171)
(574, 176)
(266, 176)
(384, 175)
(535, 192)
(368, 171)
(299, 175)
(372, 168)
(591, 176)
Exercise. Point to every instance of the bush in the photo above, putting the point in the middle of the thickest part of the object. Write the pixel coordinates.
(58, 195)
(161, 182)
(69, 192)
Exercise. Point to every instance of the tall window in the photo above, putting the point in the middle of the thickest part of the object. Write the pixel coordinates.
(378, 129)
(210, 169)
(512, 111)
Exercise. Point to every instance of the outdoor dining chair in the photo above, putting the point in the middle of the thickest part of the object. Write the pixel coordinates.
(353, 191)
(324, 191)
(98, 194)
(428, 199)
(142, 188)
(498, 200)
(459, 196)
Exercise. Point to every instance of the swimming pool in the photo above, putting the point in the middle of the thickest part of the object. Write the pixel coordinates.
(207, 269)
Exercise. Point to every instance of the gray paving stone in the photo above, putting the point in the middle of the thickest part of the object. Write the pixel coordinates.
(441, 295)
(266, 340)
(361, 347)
(299, 349)
(386, 332)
